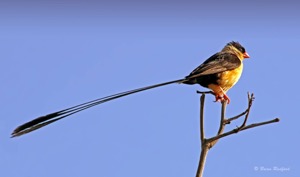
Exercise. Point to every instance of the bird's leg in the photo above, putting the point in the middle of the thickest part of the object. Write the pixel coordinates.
(218, 97)
(219, 93)
(222, 97)
(226, 98)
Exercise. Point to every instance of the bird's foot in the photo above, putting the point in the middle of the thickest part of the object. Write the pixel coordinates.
(222, 97)
(226, 98)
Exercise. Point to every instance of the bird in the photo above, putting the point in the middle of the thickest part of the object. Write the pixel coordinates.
(219, 73)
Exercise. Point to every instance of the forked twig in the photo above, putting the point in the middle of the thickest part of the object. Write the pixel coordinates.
(236, 130)
(250, 101)
(206, 144)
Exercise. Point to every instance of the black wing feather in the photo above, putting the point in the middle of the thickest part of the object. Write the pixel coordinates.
(217, 63)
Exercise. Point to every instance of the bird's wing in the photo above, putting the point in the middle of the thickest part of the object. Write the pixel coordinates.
(217, 63)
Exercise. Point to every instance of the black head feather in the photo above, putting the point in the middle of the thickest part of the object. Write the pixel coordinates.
(237, 46)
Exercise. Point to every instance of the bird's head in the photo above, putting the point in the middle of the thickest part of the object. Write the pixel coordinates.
(237, 49)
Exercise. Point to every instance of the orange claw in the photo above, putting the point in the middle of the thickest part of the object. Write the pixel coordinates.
(218, 97)
(226, 98)
(222, 97)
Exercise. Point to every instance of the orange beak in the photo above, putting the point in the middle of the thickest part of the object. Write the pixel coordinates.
(246, 55)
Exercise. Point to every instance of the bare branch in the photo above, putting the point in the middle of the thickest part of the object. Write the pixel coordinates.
(228, 121)
(242, 129)
(222, 123)
(202, 135)
(206, 144)
(223, 112)
(250, 100)
(259, 124)
(203, 155)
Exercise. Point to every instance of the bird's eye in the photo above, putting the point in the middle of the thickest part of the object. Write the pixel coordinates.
(242, 49)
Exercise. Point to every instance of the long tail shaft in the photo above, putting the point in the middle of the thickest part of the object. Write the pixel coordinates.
(53, 117)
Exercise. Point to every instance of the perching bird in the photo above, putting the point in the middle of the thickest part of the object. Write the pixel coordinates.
(218, 73)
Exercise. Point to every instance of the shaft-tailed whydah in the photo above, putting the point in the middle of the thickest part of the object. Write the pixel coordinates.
(219, 73)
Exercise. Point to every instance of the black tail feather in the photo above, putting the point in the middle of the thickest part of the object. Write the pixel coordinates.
(53, 117)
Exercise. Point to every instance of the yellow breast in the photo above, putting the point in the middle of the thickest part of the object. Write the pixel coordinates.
(228, 79)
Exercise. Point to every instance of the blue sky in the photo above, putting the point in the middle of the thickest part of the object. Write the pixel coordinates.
(58, 54)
